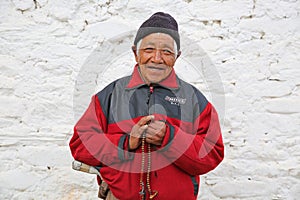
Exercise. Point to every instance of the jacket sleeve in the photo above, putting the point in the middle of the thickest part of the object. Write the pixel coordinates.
(197, 153)
(92, 144)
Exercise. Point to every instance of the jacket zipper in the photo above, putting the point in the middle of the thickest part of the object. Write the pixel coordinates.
(149, 96)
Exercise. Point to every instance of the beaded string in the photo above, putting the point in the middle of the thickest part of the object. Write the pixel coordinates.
(142, 187)
(148, 175)
(148, 169)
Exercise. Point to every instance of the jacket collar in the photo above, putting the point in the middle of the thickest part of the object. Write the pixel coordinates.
(136, 80)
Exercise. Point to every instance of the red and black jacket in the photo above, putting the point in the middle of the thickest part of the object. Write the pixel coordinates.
(192, 145)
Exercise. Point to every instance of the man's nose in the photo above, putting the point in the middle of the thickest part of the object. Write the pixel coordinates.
(157, 56)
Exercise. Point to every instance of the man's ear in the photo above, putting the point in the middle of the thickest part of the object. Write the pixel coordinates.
(179, 53)
(134, 52)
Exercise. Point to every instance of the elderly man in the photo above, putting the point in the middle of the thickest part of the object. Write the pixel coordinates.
(150, 134)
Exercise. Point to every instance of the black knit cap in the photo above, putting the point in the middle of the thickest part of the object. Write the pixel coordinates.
(159, 23)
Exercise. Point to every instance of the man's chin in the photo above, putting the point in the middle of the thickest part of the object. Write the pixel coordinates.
(154, 80)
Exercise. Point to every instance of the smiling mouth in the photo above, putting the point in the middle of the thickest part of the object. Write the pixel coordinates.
(155, 68)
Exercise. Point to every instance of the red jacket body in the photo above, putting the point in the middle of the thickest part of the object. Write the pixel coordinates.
(192, 145)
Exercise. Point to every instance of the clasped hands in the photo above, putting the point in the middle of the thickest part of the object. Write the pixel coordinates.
(154, 131)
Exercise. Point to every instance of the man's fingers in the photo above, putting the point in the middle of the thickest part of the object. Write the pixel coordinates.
(139, 131)
(156, 127)
(152, 141)
(153, 137)
(157, 124)
(143, 128)
(145, 120)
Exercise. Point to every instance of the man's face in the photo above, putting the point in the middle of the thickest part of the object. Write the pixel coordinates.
(156, 57)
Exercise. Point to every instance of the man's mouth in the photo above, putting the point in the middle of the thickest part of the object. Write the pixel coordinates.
(155, 68)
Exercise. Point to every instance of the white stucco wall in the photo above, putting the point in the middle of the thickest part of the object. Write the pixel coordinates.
(250, 48)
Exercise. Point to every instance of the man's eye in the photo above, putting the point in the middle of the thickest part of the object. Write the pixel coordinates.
(149, 50)
(167, 51)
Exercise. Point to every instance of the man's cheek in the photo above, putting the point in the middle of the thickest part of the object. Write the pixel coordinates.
(170, 62)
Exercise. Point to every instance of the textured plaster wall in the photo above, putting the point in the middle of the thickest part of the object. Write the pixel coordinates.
(54, 54)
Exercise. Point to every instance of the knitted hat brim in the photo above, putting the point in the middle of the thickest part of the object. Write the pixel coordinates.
(145, 31)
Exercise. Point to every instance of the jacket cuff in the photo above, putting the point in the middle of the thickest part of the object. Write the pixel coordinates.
(123, 149)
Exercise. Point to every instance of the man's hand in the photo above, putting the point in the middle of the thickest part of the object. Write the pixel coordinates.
(155, 132)
(137, 131)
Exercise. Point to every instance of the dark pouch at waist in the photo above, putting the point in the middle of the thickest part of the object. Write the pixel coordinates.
(103, 190)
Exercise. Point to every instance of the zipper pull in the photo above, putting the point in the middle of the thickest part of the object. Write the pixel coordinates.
(149, 94)
(142, 191)
(151, 89)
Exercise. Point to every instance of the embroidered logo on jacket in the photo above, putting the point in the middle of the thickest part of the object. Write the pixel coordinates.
(175, 100)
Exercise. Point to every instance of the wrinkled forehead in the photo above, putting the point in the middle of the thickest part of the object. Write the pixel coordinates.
(158, 40)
